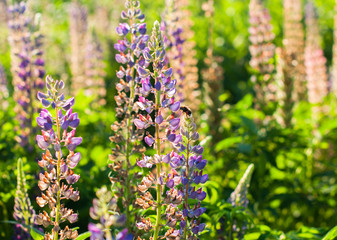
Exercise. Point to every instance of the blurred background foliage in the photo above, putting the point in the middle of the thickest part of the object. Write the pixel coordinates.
(293, 188)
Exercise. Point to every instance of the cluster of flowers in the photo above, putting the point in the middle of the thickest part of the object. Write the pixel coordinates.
(294, 47)
(262, 51)
(58, 136)
(104, 209)
(146, 101)
(315, 62)
(126, 138)
(27, 66)
(212, 79)
(174, 202)
(177, 27)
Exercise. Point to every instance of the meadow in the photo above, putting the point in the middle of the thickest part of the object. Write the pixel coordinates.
(168, 119)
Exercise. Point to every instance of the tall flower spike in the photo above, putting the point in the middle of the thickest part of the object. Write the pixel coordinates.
(238, 197)
(158, 84)
(126, 137)
(285, 83)
(23, 210)
(294, 46)
(27, 66)
(333, 81)
(192, 167)
(78, 40)
(3, 89)
(104, 209)
(55, 182)
(181, 51)
(94, 69)
(262, 51)
(213, 76)
(315, 62)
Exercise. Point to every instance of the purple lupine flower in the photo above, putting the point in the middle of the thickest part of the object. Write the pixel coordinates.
(192, 166)
(103, 209)
(128, 132)
(164, 108)
(27, 67)
(57, 178)
(181, 52)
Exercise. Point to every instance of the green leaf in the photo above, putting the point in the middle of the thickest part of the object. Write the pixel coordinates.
(83, 236)
(331, 234)
(228, 142)
(250, 124)
(35, 235)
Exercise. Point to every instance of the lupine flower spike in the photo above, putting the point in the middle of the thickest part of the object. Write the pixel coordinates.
(315, 62)
(126, 139)
(23, 210)
(181, 51)
(262, 51)
(163, 91)
(238, 197)
(294, 46)
(27, 66)
(104, 209)
(78, 40)
(192, 166)
(212, 80)
(59, 142)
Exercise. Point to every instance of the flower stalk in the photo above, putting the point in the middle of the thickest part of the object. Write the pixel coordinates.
(56, 181)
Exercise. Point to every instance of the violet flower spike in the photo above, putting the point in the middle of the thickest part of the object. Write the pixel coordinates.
(128, 131)
(192, 167)
(55, 182)
(165, 105)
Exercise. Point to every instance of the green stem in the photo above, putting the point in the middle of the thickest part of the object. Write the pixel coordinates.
(57, 218)
(108, 235)
(158, 165)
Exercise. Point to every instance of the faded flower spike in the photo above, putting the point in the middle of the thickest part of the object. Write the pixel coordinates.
(58, 134)
(126, 138)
